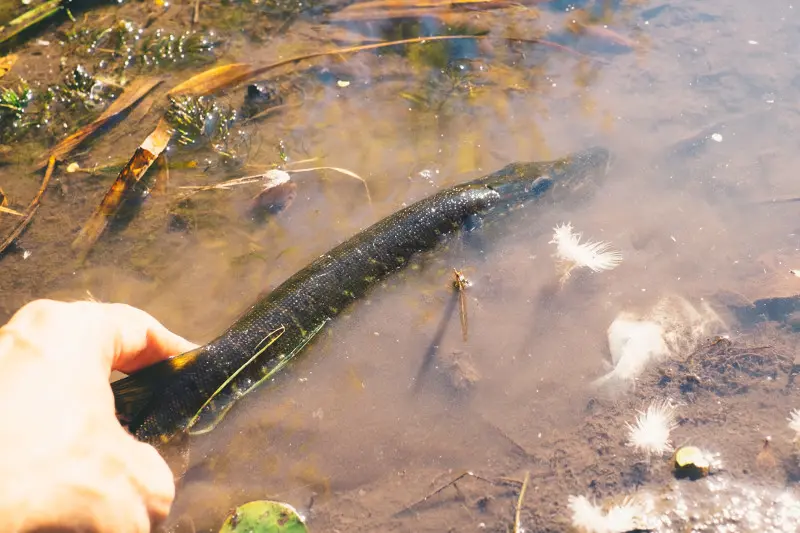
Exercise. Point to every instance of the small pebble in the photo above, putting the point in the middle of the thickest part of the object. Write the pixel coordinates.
(717, 137)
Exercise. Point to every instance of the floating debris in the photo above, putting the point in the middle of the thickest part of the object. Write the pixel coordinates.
(717, 137)
(650, 433)
(572, 254)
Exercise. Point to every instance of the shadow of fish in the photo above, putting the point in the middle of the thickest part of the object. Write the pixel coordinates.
(191, 392)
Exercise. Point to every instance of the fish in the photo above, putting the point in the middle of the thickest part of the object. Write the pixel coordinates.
(190, 393)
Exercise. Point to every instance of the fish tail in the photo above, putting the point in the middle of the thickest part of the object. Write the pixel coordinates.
(134, 393)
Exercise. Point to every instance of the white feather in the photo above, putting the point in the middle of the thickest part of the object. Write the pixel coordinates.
(673, 327)
(794, 422)
(571, 253)
(633, 344)
(590, 518)
(650, 432)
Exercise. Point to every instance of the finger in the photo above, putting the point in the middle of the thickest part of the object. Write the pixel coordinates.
(153, 480)
(126, 338)
(139, 339)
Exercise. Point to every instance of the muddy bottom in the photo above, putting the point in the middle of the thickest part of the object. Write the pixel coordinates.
(448, 466)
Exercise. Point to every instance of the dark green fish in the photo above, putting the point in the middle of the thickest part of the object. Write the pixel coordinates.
(170, 397)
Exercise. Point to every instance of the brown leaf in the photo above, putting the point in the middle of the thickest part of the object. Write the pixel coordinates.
(143, 157)
(132, 94)
(213, 80)
(6, 63)
(420, 4)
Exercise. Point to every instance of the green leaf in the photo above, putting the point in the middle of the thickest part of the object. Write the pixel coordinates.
(264, 516)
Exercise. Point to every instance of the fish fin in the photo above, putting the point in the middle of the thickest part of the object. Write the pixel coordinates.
(132, 393)
(221, 402)
(228, 390)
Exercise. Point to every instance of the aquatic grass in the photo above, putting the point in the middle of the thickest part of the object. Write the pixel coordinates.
(14, 103)
(126, 45)
(168, 49)
(200, 121)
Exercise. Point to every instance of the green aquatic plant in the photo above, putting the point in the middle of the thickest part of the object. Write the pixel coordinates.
(264, 516)
(82, 90)
(163, 48)
(13, 106)
(200, 120)
(126, 45)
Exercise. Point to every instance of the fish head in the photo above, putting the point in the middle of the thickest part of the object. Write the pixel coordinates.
(574, 176)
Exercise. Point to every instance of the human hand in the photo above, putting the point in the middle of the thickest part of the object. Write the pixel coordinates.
(66, 463)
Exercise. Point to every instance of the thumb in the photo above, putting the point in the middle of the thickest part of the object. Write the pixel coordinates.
(140, 340)
(153, 479)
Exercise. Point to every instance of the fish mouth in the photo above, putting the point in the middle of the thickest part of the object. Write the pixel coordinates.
(559, 179)
(579, 175)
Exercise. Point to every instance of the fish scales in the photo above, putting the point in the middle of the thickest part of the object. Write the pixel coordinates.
(309, 299)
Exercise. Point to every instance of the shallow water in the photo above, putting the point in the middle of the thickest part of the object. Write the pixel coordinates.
(702, 120)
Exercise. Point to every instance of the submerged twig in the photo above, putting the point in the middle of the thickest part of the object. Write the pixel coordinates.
(517, 528)
(271, 179)
(453, 483)
(341, 170)
(196, 13)
(32, 208)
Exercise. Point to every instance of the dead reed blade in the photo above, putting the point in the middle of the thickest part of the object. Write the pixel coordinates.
(32, 208)
(517, 528)
(144, 156)
(354, 49)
